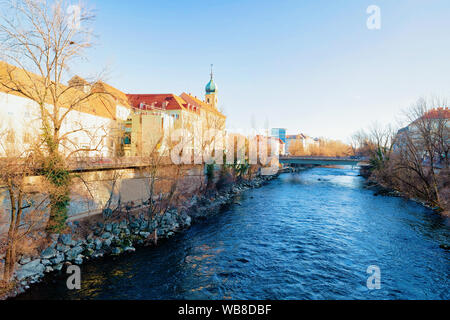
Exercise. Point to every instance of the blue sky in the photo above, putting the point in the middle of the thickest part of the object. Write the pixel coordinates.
(309, 66)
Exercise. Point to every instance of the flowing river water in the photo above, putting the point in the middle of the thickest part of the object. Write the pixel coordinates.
(303, 236)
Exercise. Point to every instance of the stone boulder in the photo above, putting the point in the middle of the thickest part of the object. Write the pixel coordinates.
(144, 234)
(31, 269)
(58, 259)
(25, 260)
(116, 251)
(62, 248)
(98, 244)
(78, 260)
(129, 249)
(65, 239)
(106, 235)
(58, 267)
(123, 224)
(48, 253)
(107, 244)
(73, 253)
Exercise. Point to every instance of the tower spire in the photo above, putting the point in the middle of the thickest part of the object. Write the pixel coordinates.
(211, 91)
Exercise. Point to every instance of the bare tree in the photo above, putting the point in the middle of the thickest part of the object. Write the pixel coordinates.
(328, 148)
(296, 148)
(413, 160)
(361, 144)
(377, 143)
(160, 177)
(420, 167)
(111, 204)
(382, 139)
(24, 211)
(40, 41)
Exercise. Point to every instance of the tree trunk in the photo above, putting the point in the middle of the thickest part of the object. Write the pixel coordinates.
(10, 261)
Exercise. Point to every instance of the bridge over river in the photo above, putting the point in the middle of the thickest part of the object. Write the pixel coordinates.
(322, 161)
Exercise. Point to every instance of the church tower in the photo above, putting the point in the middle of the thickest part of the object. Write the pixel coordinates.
(211, 91)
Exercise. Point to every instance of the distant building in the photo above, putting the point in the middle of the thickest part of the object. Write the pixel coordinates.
(271, 142)
(435, 119)
(290, 138)
(279, 133)
(148, 133)
(282, 147)
(307, 141)
(186, 112)
(93, 124)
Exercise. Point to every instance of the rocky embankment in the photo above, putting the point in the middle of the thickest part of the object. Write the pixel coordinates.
(380, 190)
(123, 236)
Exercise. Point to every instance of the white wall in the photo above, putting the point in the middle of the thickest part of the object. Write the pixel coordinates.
(23, 116)
(122, 112)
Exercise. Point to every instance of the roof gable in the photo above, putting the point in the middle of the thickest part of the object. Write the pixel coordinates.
(200, 104)
(103, 105)
(166, 101)
(437, 113)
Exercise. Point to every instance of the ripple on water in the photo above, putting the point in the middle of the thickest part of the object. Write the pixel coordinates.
(305, 236)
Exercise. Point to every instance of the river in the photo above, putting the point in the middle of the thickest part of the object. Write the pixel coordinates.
(310, 235)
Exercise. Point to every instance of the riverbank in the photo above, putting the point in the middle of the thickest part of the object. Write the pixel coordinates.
(382, 190)
(92, 238)
(306, 236)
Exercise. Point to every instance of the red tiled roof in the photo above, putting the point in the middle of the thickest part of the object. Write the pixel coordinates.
(437, 113)
(260, 137)
(191, 100)
(168, 101)
(295, 136)
(194, 101)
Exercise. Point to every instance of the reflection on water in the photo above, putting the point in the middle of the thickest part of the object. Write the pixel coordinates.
(310, 235)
